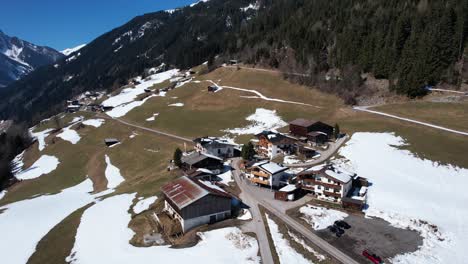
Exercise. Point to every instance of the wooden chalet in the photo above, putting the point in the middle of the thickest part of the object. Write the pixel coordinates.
(303, 127)
(271, 144)
(268, 174)
(193, 203)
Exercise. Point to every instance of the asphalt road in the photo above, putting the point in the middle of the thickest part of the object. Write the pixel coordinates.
(253, 198)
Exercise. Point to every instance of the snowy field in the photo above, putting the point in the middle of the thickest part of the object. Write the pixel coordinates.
(152, 118)
(69, 135)
(40, 136)
(26, 222)
(104, 228)
(319, 217)
(44, 165)
(286, 253)
(126, 100)
(407, 191)
(113, 176)
(144, 204)
(94, 122)
(262, 119)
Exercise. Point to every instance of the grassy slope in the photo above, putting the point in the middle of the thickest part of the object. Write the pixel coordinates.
(143, 159)
(450, 115)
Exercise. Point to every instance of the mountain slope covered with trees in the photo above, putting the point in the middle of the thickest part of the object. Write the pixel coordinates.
(411, 43)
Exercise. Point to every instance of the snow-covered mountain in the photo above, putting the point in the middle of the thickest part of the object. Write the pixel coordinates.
(19, 57)
(69, 51)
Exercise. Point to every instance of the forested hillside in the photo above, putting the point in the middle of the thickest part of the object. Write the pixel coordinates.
(412, 43)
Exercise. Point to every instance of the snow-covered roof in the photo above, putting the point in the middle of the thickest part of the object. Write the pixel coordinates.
(288, 188)
(272, 167)
(339, 175)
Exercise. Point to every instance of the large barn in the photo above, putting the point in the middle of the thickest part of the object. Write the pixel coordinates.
(302, 127)
(193, 203)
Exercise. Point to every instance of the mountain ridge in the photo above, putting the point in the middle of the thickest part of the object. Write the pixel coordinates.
(18, 58)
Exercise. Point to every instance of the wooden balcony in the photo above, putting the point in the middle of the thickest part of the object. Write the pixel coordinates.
(328, 185)
(337, 195)
(260, 174)
(259, 181)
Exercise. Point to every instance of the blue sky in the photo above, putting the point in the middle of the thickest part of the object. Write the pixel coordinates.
(62, 24)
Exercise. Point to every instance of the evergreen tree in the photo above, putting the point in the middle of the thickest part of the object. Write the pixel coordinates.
(248, 151)
(178, 157)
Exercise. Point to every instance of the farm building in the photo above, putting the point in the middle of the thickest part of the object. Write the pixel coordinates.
(193, 203)
(268, 173)
(198, 160)
(287, 193)
(202, 174)
(219, 147)
(302, 127)
(111, 141)
(271, 144)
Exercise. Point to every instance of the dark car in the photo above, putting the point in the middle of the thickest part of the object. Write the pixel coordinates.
(372, 257)
(339, 232)
(342, 224)
(333, 228)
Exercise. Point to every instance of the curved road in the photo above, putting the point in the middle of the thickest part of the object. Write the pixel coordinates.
(154, 131)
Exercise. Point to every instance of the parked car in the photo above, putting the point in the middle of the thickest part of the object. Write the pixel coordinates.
(339, 232)
(372, 257)
(333, 228)
(342, 224)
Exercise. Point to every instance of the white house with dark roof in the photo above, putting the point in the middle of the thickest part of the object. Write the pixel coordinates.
(268, 173)
(219, 147)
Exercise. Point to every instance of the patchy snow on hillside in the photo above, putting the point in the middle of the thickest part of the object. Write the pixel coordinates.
(413, 193)
(2, 194)
(44, 165)
(69, 51)
(144, 204)
(262, 119)
(152, 118)
(199, 1)
(319, 217)
(104, 228)
(122, 110)
(69, 135)
(94, 122)
(40, 136)
(286, 253)
(113, 176)
(255, 6)
(23, 224)
(129, 95)
(177, 104)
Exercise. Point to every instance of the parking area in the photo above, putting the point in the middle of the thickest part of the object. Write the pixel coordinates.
(373, 234)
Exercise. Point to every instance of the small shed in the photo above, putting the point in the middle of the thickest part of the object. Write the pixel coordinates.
(287, 193)
(111, 141)
(212, 88)
(317, 137)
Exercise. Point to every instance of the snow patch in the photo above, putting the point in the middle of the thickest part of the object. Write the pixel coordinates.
(286, 253)
(246, 215)
(94, 122)
(69, 135)
(40, 136)
(104, 228)
(177, 104)
(44, 165)
(263, 119)
(114, 178)
(153, 117)
(414, 193)
(143, 205)
(69, 51)
(319, 217)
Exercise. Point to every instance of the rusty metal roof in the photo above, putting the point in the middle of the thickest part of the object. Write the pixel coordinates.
(185, 191)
